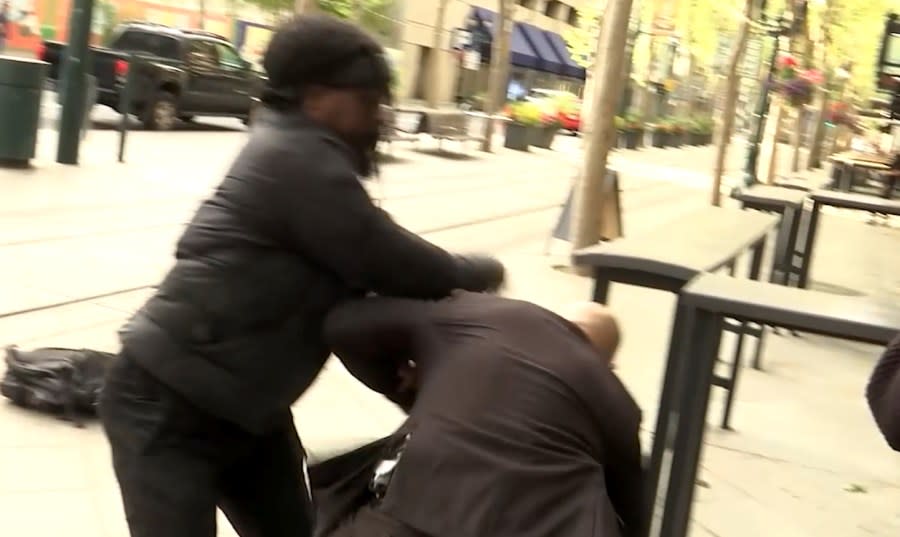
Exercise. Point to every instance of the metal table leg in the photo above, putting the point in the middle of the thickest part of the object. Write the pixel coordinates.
(701, 349)
(601, 287)
(667, 416)
(806, 263)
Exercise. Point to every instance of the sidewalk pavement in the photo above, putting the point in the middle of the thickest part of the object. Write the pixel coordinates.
(805, 458)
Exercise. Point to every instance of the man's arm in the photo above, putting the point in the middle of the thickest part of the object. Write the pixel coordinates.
(375, 337)
(883, 393)
(331, 219)
(618, 420)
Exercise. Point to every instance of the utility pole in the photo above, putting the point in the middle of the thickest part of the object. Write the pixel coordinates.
(596, 215)
(731, 96)
(436, 56)
(496, 93)
(74, 79)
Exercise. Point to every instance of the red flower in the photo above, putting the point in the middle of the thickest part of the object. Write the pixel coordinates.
(813, 76)
(786, 61)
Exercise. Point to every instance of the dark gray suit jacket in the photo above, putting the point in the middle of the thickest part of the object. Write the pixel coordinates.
(519, 429)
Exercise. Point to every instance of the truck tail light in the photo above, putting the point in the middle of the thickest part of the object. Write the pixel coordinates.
(42, 52)
(121, 68)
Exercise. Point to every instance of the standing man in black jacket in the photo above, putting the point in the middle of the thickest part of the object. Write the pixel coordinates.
(197, 409)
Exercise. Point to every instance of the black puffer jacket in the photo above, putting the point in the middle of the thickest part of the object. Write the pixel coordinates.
(236, 326)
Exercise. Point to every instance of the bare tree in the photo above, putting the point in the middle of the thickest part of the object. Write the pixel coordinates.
(436, 55)
(496, 92)
(596, 210)
(733, 85)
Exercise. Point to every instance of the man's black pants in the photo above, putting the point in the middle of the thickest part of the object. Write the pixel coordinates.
(176, 464)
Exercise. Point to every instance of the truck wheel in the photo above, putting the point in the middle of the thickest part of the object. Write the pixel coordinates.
(248, 120)
(161, 113)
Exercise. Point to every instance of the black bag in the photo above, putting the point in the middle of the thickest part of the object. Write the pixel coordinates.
(59, 381)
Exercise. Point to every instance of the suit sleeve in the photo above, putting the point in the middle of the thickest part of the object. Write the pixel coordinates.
(330, 218)
(373, 336)
(618, 420)
(883, 393)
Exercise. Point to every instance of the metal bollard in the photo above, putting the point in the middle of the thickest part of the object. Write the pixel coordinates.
(125, 105)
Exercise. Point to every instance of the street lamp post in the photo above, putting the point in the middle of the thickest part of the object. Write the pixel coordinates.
(753, 146)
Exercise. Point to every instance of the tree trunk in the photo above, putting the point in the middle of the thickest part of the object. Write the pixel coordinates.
(203, 14)
(596, 211)
(731, 97)
(304, 7)
(818, 142)
(436, 55)
(496, 92)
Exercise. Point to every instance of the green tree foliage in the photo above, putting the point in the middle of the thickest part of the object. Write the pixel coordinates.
(376, 16)
(582, 40)
(855, 28)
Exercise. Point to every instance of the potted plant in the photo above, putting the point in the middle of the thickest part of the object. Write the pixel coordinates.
(677, 132)
(543, 134)
(660, 134)
(630, 131)
(523, 118)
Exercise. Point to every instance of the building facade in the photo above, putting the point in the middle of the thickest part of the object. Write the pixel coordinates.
(538, 54)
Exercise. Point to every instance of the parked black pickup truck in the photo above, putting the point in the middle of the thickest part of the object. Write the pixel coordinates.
(177, 74)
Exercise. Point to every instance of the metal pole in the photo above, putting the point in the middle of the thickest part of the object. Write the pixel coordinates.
(125, 106)
(753, 146)
(73, 82)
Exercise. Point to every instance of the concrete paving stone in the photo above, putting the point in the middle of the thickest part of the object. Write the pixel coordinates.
(50, 514)
(60, 324)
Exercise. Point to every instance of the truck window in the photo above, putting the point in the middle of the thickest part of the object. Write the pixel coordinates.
(203, 55)
(229, 59)
(161, 46)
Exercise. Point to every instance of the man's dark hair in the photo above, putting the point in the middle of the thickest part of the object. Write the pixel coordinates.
(321, 50)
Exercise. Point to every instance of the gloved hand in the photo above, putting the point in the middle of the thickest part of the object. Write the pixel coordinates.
(480, 273)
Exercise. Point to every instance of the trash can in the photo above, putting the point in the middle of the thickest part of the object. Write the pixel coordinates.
(21, 87)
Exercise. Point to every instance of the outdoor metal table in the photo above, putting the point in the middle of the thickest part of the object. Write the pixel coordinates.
(788, 203)
(846, 164)
(703, 305)
(667, 259)
(843, 200)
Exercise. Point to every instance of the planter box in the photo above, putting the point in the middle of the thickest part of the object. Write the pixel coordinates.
(543, 136)
(633, 139)
(518, 137)
(695, 138)
(659, 139)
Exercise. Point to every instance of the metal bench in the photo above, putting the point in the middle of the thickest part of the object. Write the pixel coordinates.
(703, 306)
(842, 200)
(447, 125)
(393, 130)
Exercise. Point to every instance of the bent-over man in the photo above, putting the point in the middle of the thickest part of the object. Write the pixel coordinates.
(517, 426)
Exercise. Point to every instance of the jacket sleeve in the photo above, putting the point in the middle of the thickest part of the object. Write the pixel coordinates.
(330, 218)
(618, 419)
(373, 336)
(883, 393)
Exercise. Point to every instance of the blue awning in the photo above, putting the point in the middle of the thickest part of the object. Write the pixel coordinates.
(559, 46)
(521, 52)
(548, 58)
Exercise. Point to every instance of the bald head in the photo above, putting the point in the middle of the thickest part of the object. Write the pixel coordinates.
(598, 324)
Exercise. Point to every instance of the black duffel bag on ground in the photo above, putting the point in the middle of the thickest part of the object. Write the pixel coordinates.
(65, 382)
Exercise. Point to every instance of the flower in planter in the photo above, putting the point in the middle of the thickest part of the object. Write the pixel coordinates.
(524, 113)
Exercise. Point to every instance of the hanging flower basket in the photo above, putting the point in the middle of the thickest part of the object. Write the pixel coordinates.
(796, 85)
